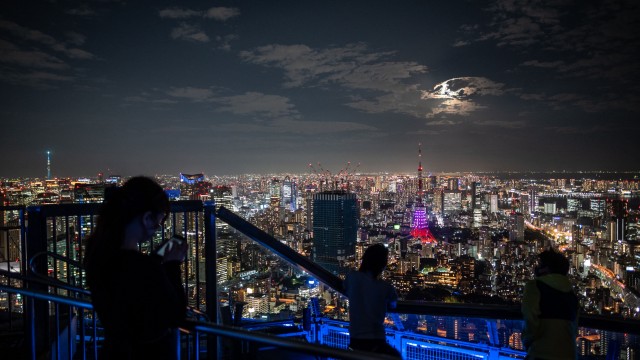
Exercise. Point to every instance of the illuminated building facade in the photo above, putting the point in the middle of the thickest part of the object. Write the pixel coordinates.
(288, 198)
(194, 187)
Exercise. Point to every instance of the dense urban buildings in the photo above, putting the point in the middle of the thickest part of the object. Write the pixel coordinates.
(452, 237)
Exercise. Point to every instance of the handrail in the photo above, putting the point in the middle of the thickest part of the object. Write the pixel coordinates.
(287, 343)
(221, 330)
(55, 256)
(491, 311)
(279, 248)
(55, 282)
(84, 304)
(507, 312)
(44, 281)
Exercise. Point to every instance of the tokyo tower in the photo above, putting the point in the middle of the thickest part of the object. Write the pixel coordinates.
(419, 224)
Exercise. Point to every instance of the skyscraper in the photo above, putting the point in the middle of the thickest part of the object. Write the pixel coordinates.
(48, 165)
(288, 194)
(335, 226)
(194, 187)
(516, 227)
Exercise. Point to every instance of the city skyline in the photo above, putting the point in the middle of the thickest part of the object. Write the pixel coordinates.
(243, 87)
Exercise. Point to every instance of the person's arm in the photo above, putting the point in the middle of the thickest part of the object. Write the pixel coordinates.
(530, 312)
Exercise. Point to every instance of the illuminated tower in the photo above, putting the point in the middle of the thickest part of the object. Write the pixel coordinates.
(419, 226)
(48, 165)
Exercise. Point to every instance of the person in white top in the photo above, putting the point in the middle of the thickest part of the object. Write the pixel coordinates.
(369, 298)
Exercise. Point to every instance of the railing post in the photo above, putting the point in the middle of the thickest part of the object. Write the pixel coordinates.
(211, 295)
(37, 315)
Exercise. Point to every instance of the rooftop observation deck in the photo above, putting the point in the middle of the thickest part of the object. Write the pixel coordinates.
(46, 312)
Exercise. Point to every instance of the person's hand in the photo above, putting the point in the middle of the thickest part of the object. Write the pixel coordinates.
(176, 253)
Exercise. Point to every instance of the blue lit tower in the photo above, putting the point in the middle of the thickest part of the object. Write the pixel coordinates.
(419, 226)
(335, 225)
(48, 165)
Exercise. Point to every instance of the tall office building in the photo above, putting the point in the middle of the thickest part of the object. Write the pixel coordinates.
(452, 201)
(573, 205)
(477, 218)
(194, 187)
(474, 196)
(288, 195)
(618, 212)
(493, 203)
(516, 227)
(524, 204)
(598, 205)
(533, 200)
(453, 184)
(274, 192)
(335, 227)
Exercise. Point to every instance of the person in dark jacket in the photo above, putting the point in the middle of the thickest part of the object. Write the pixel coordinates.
(139, 298)
(550, 310)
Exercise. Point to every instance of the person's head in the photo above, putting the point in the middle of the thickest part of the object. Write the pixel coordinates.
(551, 262)
(140, 204)
(374, 259)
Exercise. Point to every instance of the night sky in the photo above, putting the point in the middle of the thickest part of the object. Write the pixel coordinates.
(230, 87)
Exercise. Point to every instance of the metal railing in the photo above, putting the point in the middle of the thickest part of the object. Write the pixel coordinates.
(53, 244)
(198, 328)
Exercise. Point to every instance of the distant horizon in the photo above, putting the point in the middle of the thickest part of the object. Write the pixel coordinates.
(358, 173)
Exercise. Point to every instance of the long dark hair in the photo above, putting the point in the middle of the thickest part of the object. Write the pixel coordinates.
(554, 261)
(137, 196)
(374, 260)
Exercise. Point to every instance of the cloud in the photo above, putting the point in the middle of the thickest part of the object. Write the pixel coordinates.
(75, 38)
(454, 107)
(191, 93)
(352, 66)
(33, 78)
(578, 130)
(292, 126)
(544, 64)
(455, 95)
(595, 39)
(255, 103)
(222, 13)
(192, 32)
(443, 122)
(44, 39)
(225, 41)
(189, 33)
(11, 54)
(386, 85)
(426, 132)
(179, 13)
(464, 87)
(216, 13)
(264, 106)
(533, 96)
(389, 86)
(503, 124)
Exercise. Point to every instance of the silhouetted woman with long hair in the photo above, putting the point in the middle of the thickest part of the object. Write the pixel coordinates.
(139, 298)
(369, 298)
